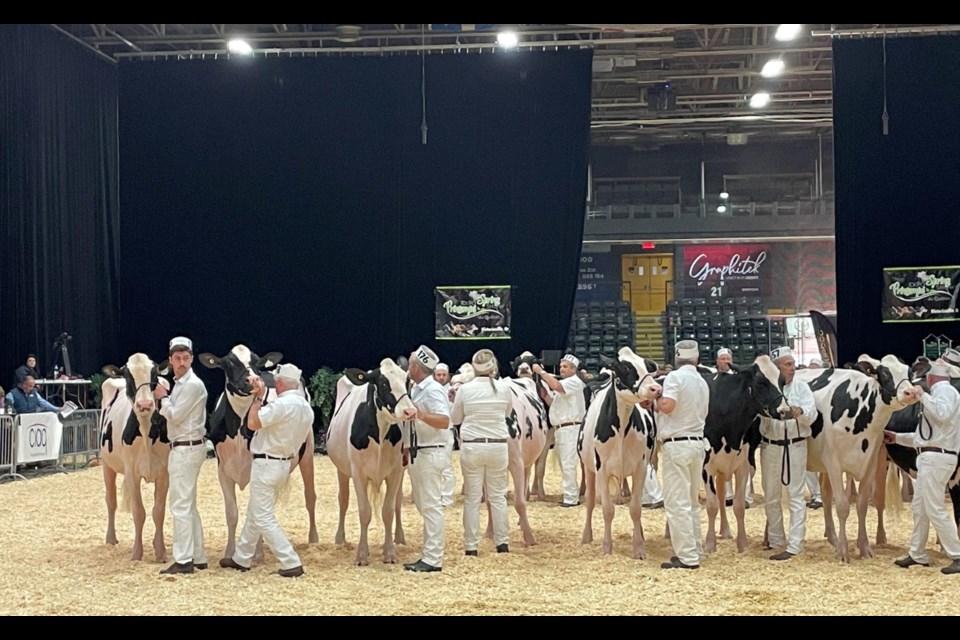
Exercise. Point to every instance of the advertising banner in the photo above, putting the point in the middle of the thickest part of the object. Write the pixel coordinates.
(726, 270)
(920, 294)
(473, 313)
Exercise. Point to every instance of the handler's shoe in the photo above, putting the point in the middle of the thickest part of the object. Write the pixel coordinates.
(906, 563)
(953, 567)
(176, 567)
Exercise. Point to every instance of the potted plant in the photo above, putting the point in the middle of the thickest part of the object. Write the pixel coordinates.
(323, 390)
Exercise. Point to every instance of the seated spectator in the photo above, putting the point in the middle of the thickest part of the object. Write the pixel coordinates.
(26, 399)
(27, 369)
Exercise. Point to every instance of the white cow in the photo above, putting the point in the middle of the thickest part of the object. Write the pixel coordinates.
(615, 443)
(364, 442)
(854, 409)
(133, 442)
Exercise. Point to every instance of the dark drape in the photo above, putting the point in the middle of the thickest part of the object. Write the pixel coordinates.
(291, 205)
(58, 200)
(897, 195)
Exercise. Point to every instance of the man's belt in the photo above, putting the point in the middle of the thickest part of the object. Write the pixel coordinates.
(185, 443)
(567, 424)
(262, 456)
(781, 443)
(682, 438)
(936, 450)
(429, 446)
(486, 441)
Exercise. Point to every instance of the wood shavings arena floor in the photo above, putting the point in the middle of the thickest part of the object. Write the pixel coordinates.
(55, 562)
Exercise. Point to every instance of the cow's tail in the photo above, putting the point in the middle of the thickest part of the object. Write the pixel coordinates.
(375, 496)
(125, 498)
(892, 490)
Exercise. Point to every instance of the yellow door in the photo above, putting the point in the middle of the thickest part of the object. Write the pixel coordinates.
(650, 279)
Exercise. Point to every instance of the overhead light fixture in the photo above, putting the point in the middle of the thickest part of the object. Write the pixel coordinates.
(240, 46)
(773, 68)
(760, 100)
(508, 39)
(787, 32)
(722, 208)
(724, 195)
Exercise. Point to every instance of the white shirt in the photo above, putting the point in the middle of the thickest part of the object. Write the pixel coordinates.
(797, 394)
(429, 396)
(570, 405)
(284, 426)
(186, 409)
(690, 391)
(941, 416)
(481, 410)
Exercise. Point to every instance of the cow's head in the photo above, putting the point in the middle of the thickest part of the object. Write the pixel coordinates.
(141, 376)
(633, 378)
(893, 375)
(389, 382)
(764, 378)
(463, 375)
(240, 364)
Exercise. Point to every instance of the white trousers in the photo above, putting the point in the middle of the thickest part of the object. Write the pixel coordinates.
(484, 466)
(651, 487)
(426, 477)
(266, 478)
(771, 463)
(813, 485)
(682, 464)
(565, 441)
(933, 472)
(449, 479)
(183, 465)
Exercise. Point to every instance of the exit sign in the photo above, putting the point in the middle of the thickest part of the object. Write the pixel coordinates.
(647, 245)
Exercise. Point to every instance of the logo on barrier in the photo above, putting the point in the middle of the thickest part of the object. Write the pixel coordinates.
(37, 436)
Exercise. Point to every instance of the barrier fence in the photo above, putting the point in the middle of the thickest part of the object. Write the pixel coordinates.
(79, 443)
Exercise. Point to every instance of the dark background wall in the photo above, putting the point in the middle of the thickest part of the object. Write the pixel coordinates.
(289, 204)
(897, 195)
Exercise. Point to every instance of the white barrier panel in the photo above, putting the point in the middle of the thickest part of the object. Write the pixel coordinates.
(38, 437)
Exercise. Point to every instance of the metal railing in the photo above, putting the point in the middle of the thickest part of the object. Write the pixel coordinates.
(79, 443)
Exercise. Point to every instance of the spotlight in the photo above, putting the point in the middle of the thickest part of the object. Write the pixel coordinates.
(239, 46)
(508, 39)
(760, 100)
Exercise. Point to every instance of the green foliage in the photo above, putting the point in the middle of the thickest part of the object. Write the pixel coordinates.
(323, 391)
(96, 381)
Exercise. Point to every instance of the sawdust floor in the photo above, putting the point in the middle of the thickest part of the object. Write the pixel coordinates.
(55, 562)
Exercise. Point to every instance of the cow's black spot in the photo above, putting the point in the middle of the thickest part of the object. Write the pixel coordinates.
(131, 430)
(863, 394)
(865, 417)
(158, 428)
(394, 435)
(842, 403)
(365, 427)
(865, 445)
(512, 424)
(108, 437)
(608, 420)
(529, 424)
(636, 421)
(596, 456)
(821, 381)
(817, 425)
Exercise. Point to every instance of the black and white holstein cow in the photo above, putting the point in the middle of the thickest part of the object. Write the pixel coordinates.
(854, 409)
(733, 432)
(364, 442)
(615, 443)
(134, 443)
(231, 436)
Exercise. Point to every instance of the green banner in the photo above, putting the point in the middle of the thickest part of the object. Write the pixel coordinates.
(473, 312)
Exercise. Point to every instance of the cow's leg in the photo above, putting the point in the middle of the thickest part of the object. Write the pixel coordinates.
(636, 510)
(740, 478)
(541, 466)
(398, 536)
(843, 510)
(138, 510)
(309, 489)
(713, 505)
(880, 498)
(591, 499)
(721, 481)
(863, 502)
(343, 501)
(519, 499)
(387, 512)
(228, 488)
(366, 514)
(826, 493)
(159, 511)
(607, 506)
(110, 484)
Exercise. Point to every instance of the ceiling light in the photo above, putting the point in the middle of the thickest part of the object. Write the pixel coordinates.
(240, 46)
(724, 195)
(773, 68)
(787, 32)
(760, 100)
(507, 39)
(722, 208)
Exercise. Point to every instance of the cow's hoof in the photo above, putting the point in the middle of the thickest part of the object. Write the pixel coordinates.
(529, 541)
(586, 538)
(363, 562)
(389, 559)
(866, 552)
(639, 553)
(314, 538)
(339, 539)
(137, 554)
(726, 535)
(710, 547)
(110, 540)
(399, 539)
(607, 548)
(882, 538)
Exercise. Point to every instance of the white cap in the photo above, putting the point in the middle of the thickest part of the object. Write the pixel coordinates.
(289, 372)
(723, 351)
(816, 361)
(427, 357)
(572, 359)
(951, 356)
(180, 341)
(484, 362)
(526, 354)
(687, 350)
(442, 367)
(781, 352)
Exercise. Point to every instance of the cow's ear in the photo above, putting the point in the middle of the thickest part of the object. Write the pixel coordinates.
(608, 362)
(164, 368)
(112, 371)
(270, 360)
(359, 376)
(209, 360)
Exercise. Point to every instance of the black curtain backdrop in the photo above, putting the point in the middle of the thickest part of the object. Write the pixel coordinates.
(58, 200)
(897, 195)
(289, 204)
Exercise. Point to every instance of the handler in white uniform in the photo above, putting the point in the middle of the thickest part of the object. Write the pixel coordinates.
(281, 428)
(442, 375)
(430, 455)
(566, 414)
(783, 457)
(481, 408)
(683, 408)
(186, 411)
(937, 440)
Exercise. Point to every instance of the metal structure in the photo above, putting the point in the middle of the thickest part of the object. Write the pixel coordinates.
(652, 83)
